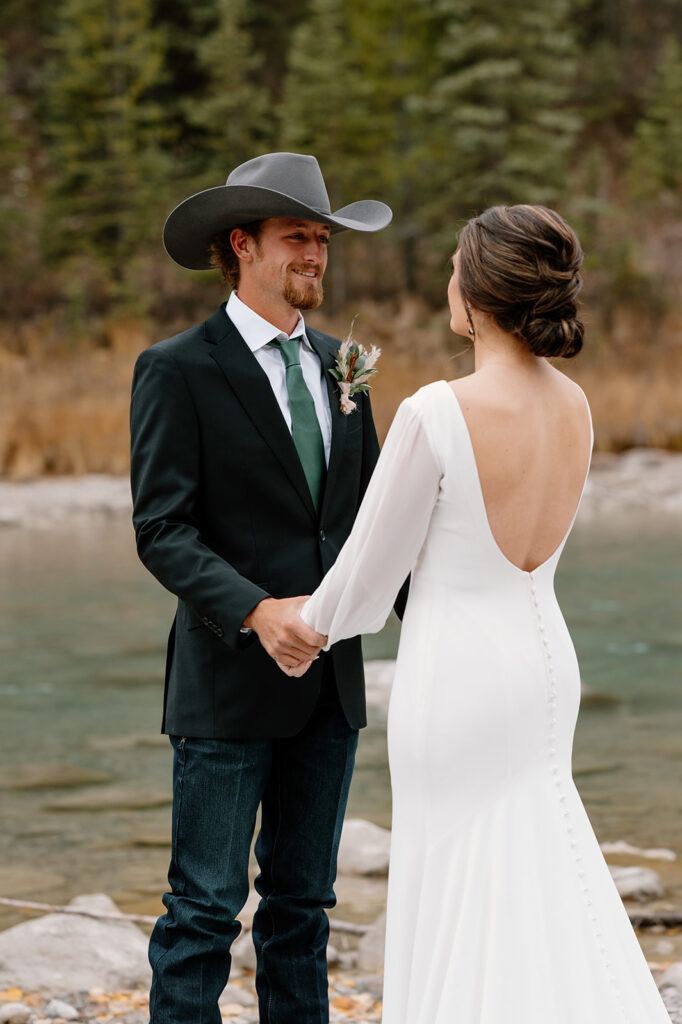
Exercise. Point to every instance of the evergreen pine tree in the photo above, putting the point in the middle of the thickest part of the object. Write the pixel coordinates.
(324, 112)
(108, 167)
(656, 165)
(183, 24)
(352, 70)
(235, 112)
(393, 47)
(14, 171)
(323, 108)
(501, 123)
(272, 23)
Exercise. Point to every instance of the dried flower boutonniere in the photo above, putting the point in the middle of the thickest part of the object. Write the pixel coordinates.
(354, 366)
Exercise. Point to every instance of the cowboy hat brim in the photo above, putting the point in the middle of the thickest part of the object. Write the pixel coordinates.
(190, 227)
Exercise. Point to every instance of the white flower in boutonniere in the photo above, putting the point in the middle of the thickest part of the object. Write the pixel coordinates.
(354, 366)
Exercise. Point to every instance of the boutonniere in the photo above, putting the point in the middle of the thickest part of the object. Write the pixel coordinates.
(354, 366)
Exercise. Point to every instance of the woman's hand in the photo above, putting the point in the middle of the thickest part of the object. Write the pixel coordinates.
(298, 667)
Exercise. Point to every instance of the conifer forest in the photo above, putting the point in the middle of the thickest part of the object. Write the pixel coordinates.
(113, 111)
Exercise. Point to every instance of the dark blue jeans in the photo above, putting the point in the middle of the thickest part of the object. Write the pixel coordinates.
(302, 785)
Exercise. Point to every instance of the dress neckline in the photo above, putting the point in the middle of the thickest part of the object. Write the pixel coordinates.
(558, 549)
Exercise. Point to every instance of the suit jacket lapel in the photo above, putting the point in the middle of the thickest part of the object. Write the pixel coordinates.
(252, 387)
(326, 351)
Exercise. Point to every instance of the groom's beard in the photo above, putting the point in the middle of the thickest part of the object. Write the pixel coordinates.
(303, 292)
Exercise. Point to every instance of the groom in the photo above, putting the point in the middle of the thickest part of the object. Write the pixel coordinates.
(246, 479)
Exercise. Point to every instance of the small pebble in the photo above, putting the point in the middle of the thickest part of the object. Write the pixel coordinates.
(14, 1013)
(57, 1008)
(372, 983)
(234, 995)
(250, 1017)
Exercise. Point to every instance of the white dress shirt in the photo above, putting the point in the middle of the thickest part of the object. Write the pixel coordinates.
(258, 333)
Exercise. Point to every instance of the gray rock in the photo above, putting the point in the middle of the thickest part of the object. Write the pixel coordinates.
(243, 953)
(364, 848)
(672, 978)
(136, 1017)
(372, 983)
(348, 961)
(236, 996)
(636, 883)
(110, 798)
(250, 1017)
(65, 953)
(371, 948)
(55, 775)
(46, 501)
(14, 1013)
(653, 853)
(332, 956)
(245, 915)
(57, 1008)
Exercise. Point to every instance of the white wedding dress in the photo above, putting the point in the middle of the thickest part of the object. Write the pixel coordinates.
(501, 909)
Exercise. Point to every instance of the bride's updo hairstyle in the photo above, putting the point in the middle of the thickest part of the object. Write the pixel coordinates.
(521, 265)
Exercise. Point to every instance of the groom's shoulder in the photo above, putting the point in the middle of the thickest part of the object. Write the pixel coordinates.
(191, 344)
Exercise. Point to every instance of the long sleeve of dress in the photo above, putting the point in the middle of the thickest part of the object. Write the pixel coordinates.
(358, 592)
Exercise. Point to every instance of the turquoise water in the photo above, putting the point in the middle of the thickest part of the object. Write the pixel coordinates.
(85, 776)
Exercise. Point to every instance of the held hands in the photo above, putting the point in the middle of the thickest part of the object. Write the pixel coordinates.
(285, 636)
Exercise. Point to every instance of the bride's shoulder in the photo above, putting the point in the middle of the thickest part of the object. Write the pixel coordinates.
(426, 397)
(426, 412)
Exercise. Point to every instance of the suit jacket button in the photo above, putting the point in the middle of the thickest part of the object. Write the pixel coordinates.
(323, 535)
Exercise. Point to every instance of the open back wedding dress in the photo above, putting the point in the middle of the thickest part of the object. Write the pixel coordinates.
(501, 909)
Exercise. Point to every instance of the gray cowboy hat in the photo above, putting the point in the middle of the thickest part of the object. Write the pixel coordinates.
(272, 185)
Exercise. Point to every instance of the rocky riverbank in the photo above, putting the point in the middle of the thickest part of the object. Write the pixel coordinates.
(646, 480)
(78, 966)
(88, 962)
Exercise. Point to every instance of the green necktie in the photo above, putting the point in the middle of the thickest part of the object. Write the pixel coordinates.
(304, 422)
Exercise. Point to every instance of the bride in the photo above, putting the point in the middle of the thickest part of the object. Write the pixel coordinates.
(501, 909)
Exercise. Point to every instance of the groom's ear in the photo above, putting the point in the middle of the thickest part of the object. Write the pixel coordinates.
(245, 246)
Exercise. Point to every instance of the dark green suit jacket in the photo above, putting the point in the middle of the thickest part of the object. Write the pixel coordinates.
(223, 518)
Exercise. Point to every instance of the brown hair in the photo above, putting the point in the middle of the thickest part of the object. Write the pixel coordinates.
(521, 264)
(222, 255)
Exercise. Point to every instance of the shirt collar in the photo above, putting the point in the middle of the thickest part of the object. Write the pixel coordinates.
(254, 329)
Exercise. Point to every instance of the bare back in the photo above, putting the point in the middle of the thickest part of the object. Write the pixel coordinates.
(531, 437)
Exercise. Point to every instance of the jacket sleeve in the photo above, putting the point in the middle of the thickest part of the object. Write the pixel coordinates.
(357, 593)
(164, 473)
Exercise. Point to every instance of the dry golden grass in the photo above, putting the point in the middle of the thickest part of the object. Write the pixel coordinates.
(68, 413)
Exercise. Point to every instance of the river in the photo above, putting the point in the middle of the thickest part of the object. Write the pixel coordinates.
(85, 775)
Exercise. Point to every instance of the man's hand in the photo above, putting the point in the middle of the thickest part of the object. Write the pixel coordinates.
(283, 633)
(297, 672)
